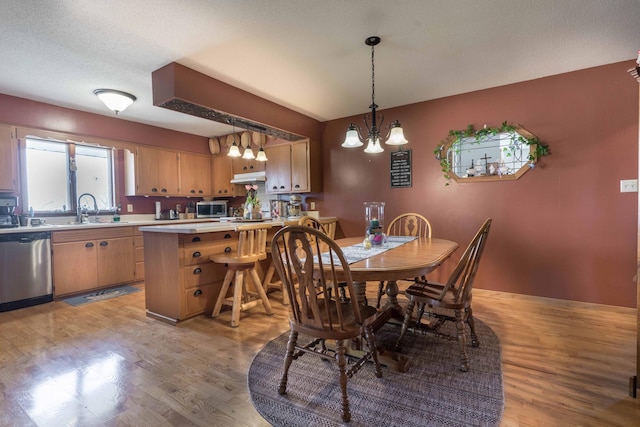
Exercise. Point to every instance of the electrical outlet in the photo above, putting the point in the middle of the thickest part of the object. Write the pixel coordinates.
(628, 185)
(129, 208)
(312, 206)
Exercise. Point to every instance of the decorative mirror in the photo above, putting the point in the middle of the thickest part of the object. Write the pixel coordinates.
(489, 154)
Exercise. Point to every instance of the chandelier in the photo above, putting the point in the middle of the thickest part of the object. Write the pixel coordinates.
(394, 134)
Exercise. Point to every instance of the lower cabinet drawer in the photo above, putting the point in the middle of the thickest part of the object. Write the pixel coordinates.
(201, 299)
(199, 254)
(203, 274)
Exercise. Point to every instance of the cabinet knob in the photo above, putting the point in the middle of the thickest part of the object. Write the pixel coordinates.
(164, 190)
(197, 271)
(196, 239)
(200, 191)
(196, 254)
(282, 187)
(154, 190)
(226, 191)
(275, 187)
(89, 245)
(227, 249)
(192, 191)
(244, 168)
(227, 236)
(104, 243)
(197, 293)
(251, 167)
(296, 186)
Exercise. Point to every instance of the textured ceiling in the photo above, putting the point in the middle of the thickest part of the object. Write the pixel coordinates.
(307, 55)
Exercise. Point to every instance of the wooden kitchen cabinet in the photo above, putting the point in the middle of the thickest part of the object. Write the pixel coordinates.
(155, 173)
(180, 280)
(278, 169)
(195, 175)
(222, 174)
(84, 260)
(241, 165)
(8, 159)
(138, 247)
(289, 168)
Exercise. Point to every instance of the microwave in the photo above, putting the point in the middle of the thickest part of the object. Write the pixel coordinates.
(211, 209)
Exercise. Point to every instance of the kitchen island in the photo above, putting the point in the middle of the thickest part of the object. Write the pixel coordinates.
(180, 281)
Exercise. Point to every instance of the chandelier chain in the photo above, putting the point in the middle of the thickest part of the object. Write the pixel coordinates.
(373, 78)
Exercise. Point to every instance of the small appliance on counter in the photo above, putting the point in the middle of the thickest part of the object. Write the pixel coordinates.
(294, 209)
(8, 218)
(212, 209)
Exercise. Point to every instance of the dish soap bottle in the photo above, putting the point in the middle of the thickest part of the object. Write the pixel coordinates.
(116, 214)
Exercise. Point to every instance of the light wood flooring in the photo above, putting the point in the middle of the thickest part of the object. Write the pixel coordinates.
(107, 364)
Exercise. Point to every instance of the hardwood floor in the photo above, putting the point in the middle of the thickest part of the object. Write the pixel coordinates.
(107, 364)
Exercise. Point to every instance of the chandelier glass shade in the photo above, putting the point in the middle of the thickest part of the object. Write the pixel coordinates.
(115, 100)
(394, 135)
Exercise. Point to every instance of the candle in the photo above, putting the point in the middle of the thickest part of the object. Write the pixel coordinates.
(375, 223)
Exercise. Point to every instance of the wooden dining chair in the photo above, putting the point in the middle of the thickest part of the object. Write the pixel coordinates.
(450, 301)
(252, 243)
(268, 282)
(316, 313)
(407, 224)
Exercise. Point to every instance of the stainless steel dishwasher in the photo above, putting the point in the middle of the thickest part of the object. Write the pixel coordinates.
(25, 269)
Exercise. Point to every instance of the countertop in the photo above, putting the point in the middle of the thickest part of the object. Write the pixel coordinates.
(182, 226)
(212, 227)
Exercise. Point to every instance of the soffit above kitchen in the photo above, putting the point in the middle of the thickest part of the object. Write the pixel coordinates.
(307, 56)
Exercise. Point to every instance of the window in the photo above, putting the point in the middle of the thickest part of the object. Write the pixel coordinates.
(58, 172)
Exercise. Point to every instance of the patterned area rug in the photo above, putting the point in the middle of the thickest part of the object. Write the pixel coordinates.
(433, 391)
(101, 295)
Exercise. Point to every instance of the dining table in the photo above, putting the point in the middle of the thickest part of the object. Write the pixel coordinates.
(400, 257)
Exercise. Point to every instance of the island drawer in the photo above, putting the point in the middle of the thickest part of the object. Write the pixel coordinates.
(194, 239)
(200, 253)
(202, 274)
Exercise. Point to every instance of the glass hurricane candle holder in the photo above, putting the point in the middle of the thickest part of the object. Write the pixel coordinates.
(374, 222)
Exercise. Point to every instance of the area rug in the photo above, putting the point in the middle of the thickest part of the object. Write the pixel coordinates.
(101, 295)
(433, 391)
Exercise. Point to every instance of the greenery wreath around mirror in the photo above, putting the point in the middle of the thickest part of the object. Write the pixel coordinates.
(489, 154)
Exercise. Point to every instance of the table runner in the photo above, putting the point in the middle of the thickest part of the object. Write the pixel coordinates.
(357, 252)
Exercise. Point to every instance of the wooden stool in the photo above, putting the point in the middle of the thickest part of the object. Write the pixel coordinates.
(252, 240)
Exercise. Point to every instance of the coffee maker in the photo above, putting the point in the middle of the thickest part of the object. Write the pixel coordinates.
(8, 219)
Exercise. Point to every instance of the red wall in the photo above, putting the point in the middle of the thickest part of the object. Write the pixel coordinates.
(563, 230)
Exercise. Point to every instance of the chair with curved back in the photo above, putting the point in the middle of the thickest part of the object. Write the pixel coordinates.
(268, 277)
(315, 312)
(450, 301)
(252, 243)
(407, 224)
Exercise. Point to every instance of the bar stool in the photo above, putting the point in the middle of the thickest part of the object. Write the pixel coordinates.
(252, 241)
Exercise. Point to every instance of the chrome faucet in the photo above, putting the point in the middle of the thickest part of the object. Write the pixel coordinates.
(83, 212)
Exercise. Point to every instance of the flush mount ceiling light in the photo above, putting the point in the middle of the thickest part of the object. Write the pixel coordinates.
(115, 100)
(394, 133)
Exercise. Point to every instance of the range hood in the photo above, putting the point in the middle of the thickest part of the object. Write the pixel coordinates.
(246, 178)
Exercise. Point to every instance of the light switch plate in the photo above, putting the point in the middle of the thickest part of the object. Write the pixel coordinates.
(628, 185)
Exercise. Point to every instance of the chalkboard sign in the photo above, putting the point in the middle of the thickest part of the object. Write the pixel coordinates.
(401, 169)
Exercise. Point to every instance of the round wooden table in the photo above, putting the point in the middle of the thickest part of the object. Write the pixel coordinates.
(412, 259)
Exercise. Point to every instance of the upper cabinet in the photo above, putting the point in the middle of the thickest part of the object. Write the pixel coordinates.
(158, 172)
(222, 173)
(290, 169)
(241, 165)
(195, 175)
(8, 160)
(278, 169)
